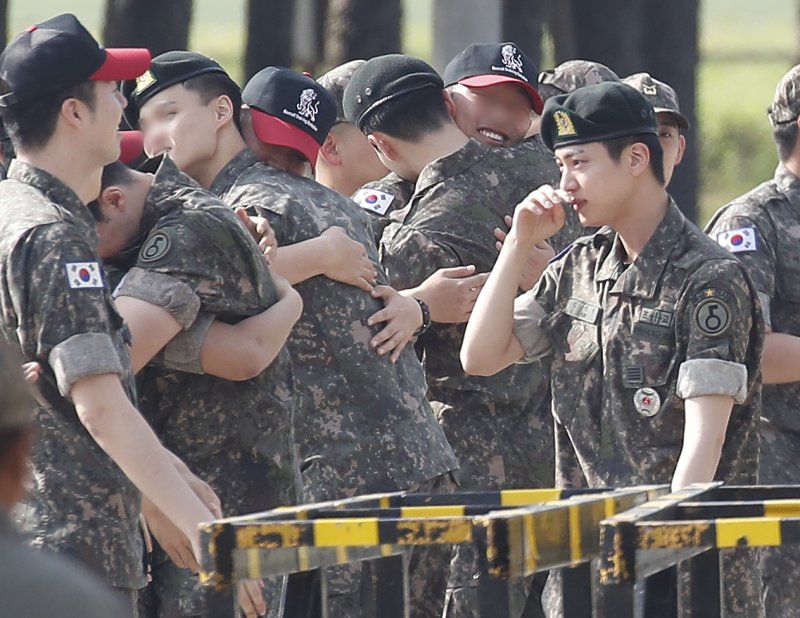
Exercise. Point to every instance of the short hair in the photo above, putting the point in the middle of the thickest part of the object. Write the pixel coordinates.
(114, 174)
(211, 85)
(617, 145)
(784, 135)
(31, 125)
(410, 116)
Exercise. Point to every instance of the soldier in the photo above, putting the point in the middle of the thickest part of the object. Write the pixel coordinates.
(363, 424)
(761, 229)
(34, 583)
(288, 129)
(654, 332)
(671, 123)
(95, 453)
(188, 260)
(499, 428)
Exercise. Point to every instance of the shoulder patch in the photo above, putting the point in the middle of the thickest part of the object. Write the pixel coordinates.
(373, 200)
(84, 275)
(712, 313)
(738, 240)
(155, 248)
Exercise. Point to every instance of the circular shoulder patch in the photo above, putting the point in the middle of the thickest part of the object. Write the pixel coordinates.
(155, 247)
(712, 316)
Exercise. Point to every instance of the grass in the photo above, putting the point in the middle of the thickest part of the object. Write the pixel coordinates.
(745, 48)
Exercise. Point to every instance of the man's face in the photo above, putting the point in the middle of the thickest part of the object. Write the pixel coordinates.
(280, 157)
(177, 122)
(359, 161)
(498, 115)
(597, 184)
(105, 120)
(672, 143)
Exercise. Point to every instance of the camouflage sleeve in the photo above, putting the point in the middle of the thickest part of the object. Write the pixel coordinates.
(529, 310)
(715, 323)
(68, 306)
(752, 241)
(161, 290)
(412, 256)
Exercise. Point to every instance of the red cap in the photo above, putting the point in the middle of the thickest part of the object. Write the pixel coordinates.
(121, 64)
(484, 81)
(272, 130)
(131, 146)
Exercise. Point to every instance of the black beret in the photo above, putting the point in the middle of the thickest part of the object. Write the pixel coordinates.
(382, 79)
(167, 69)
(596, 113)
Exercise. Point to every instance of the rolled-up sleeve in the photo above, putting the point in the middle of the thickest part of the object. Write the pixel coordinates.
(710, 376)
(527, 315)
(83, 355)
(183, 352)
(161, 290)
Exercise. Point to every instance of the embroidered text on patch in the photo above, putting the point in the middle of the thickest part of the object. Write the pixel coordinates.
(84, 275)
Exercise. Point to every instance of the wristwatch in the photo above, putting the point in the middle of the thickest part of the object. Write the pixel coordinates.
(426, 318)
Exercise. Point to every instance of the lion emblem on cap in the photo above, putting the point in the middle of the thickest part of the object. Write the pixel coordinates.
(511, 58)
(308, 105)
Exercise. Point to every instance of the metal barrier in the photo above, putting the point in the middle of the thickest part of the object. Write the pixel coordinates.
(641, 547)
(516, 533)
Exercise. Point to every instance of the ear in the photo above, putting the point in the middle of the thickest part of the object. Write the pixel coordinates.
(329, 152)
(681, 149)
(113, 197)
(449, 103)
(223, 110)
(74, 112)
(384, 143)
(638, 158)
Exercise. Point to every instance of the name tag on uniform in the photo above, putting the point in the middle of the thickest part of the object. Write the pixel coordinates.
(582, 311)
(84, 275)
(376, 201)
(654, 324)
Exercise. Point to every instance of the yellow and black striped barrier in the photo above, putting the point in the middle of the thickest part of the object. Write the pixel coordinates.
(644, 545)
(516, 532)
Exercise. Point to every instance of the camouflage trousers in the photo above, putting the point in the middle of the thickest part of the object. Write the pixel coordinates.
(349, 585)
(498, 447)
(780, 566)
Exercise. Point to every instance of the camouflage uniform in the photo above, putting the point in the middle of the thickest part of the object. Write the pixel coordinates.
(195, 259)
(57, 308)
(363, 423)
(500, 426)
(630, 344)
(761, 228)
(380, 198)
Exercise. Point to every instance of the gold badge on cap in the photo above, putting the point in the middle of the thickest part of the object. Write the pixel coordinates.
(144, 81)
(647, 401)
(650, 89)
(564, 126)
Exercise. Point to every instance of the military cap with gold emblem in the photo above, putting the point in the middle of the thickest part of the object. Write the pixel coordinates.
(661, 95)
(167, 69)
(596, 113)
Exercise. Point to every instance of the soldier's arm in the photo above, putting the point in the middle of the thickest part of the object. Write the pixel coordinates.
(501, 331)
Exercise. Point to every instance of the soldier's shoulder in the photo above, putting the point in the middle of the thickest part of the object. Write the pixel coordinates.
(754, 204)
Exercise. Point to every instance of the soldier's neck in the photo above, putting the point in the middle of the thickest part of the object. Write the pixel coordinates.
(229, 144)
(793, 162)
(58, 159)
(433, 146)
(644, 213)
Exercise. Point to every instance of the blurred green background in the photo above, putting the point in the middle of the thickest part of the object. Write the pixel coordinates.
(745, 47)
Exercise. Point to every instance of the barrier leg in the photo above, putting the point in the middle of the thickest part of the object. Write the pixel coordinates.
(390, 586)
(576, 591)
(703, 596)
(306, 595)
(661, 594)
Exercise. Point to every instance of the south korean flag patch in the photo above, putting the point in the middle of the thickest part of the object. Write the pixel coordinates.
(739, 240)
(375, 201)
(84, 275)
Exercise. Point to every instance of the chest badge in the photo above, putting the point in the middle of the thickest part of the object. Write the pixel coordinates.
(646, 401)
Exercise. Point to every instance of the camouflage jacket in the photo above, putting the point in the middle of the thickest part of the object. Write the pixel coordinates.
(631, 343)
(449, 221)
(196, 260)
(57, 307)
(762, 229)
(380, 198)
(363, 422)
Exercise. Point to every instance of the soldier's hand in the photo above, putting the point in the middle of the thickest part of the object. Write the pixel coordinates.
(538, 258)
(539, 215)
(251, 598)
(262, 232)
(176, 544)
(402, 315)
(346, 260)
(31, 372)
(450, 293)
